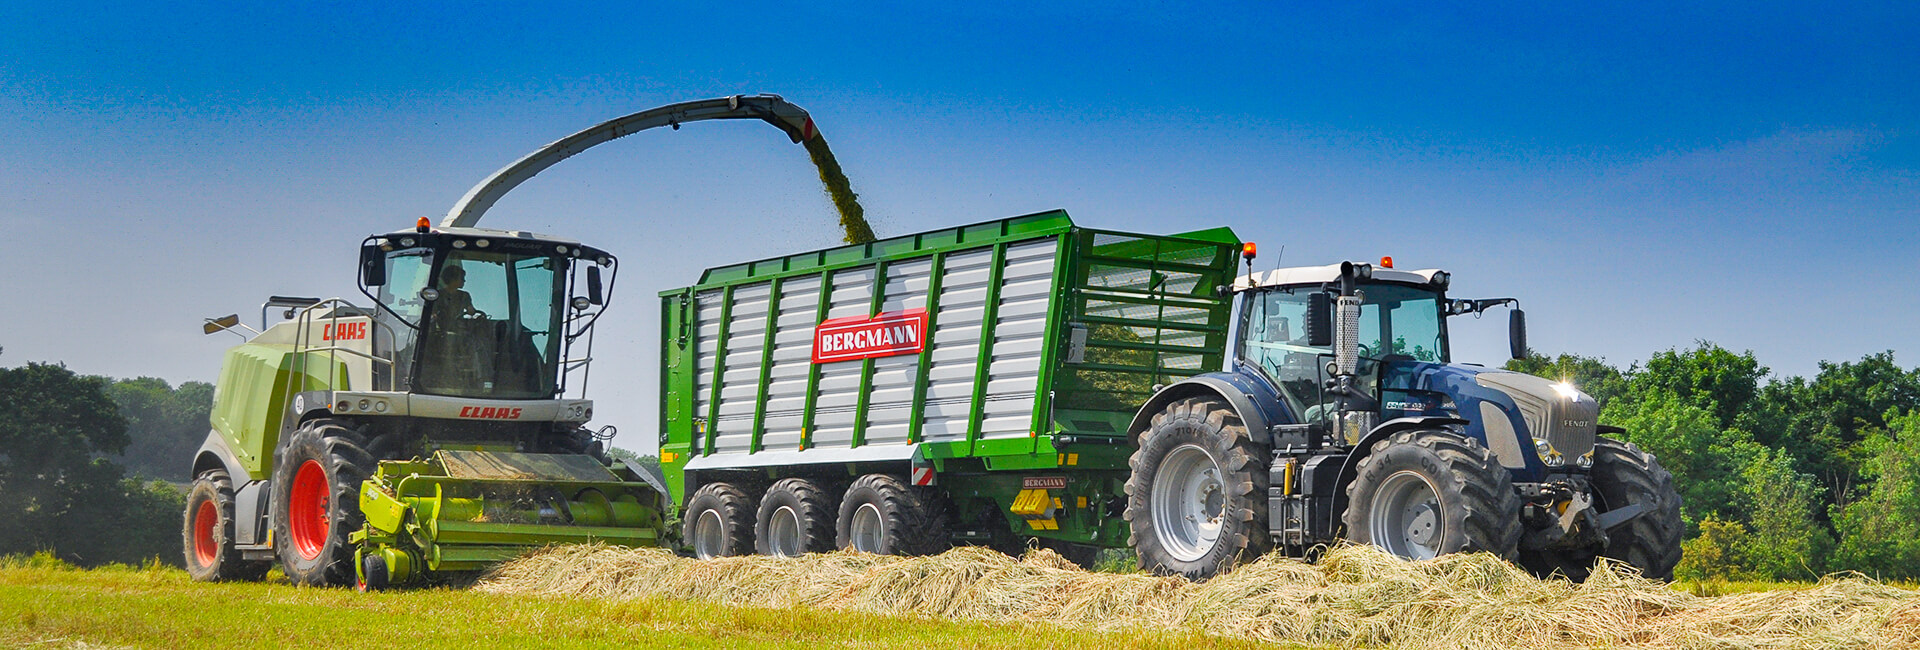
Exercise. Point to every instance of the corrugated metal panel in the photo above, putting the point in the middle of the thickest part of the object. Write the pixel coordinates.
(839, 387)
(1019, 332)
(740, 372)
(706, 326)
(792, 363)
(956, 346)
(890, 391)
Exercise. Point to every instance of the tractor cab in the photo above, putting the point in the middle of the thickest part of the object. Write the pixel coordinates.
(480, 314)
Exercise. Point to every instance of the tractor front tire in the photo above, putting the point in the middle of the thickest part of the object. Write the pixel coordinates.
(316, 502)
(719, 521)
(796, 517)
(1424, 493)
(1624, 475)
(208, 532)
(882, 514)
(1197, 495)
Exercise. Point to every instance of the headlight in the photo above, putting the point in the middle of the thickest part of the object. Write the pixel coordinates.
(1541, 445)
(1566, 390)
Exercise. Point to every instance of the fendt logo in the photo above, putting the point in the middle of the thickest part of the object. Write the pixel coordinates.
(345, 332)
(859, 337)
(489, 413)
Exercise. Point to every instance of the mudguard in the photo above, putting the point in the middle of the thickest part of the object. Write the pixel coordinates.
(1252, 398)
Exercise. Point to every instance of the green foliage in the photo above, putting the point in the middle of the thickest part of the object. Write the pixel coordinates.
(1880, 533)
(1719, 552)
(1707, 376)
(1688, 441)
(57, 493)
(165, 425)
(1835, 423)
(1787, 541)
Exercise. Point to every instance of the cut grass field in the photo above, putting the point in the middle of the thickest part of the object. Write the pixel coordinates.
(43, 605)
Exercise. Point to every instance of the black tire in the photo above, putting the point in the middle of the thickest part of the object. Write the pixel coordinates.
(207, 532)
(1623, 475)
(319, 555)
(374, 575)
(1210, 426)
(1478, 509)
(796, 516)
(731, 523)
(894, 518)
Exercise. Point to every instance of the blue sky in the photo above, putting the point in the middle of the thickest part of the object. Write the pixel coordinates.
(1641, 176)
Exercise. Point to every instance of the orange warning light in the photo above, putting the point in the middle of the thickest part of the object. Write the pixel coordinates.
(422, 225)
(1247, 250)
(1386, 262)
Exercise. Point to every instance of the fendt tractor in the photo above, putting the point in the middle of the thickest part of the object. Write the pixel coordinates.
(1031, 381)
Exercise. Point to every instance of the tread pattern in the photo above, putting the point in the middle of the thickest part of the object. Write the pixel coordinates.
(916, 522)
(810, 502)
(1211, 423)
(1651, 542)
(736, 516)
(1490, 508)
(227, 565)
(342, 452)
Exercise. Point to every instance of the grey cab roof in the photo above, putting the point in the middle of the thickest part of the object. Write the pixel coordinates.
(489, 232)
(1317, 275)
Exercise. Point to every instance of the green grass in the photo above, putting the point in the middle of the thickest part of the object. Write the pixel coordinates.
(45, 604)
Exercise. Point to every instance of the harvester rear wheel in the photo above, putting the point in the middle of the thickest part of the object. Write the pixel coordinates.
(316, 502)
(208, 532)
(719, 521)
(1197, 497)
(796, 517)
(1624, 475)
(882, 514)
(1421, 494)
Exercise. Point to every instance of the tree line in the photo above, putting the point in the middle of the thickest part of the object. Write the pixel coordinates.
(1783, 477)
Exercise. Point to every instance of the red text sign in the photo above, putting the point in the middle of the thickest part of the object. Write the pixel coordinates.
(858, 337)
(345, 332)
(489, 413)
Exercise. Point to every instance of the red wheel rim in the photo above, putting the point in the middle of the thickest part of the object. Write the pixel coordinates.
(307, 510)
(205, 550)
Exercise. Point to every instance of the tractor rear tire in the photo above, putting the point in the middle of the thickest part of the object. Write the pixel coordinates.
(882, 514)
(1424, 493)
(796, 517)
(1197, 497)
(208, 532)
(719, 521)
(1623, 475)
(316, 502)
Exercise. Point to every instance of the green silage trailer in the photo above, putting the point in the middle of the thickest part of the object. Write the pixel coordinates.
(966, 385)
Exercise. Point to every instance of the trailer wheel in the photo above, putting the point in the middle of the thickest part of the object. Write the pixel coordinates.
(1624, 475)
(373, 574)
(796, 517)
(1197, 497)
(1425, 493)
(882, 514)
(316, 502)
(207, 531)
(719, 521)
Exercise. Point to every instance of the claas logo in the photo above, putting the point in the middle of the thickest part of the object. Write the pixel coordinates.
(344, 332)
(489, 413)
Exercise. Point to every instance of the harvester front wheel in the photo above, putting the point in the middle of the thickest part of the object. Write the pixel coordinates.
(1197, 497)
(882, 514)
(316, 502)
(1421, 494)
(719, 521)
(796, 517)
(1625, 475)
(208, 532)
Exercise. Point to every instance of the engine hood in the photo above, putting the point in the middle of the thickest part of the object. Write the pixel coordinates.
(1506, 410)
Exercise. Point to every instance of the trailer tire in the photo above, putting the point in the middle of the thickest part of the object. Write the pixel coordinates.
(882, 514)
(1623, 475)
(207, 532)
(719, 521)
(1424, 493)
(316, 502)
(1196, 460)
(796, 517)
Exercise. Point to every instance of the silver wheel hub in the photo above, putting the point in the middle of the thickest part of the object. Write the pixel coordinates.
(1404, 517)
(783, 533)
(867, 530)
(709, 536)
(1188, 502)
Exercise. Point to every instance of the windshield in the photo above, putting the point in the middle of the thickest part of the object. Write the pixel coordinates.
(1273, 336)
(488, 323)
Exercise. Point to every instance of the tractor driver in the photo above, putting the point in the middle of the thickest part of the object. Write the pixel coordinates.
(454, 302)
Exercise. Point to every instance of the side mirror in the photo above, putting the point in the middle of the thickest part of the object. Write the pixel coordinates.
(593, 286)
(1319, 319)
(1517, 333)
(373, 266)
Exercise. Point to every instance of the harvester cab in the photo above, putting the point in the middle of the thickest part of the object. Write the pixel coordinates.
(438, 430)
